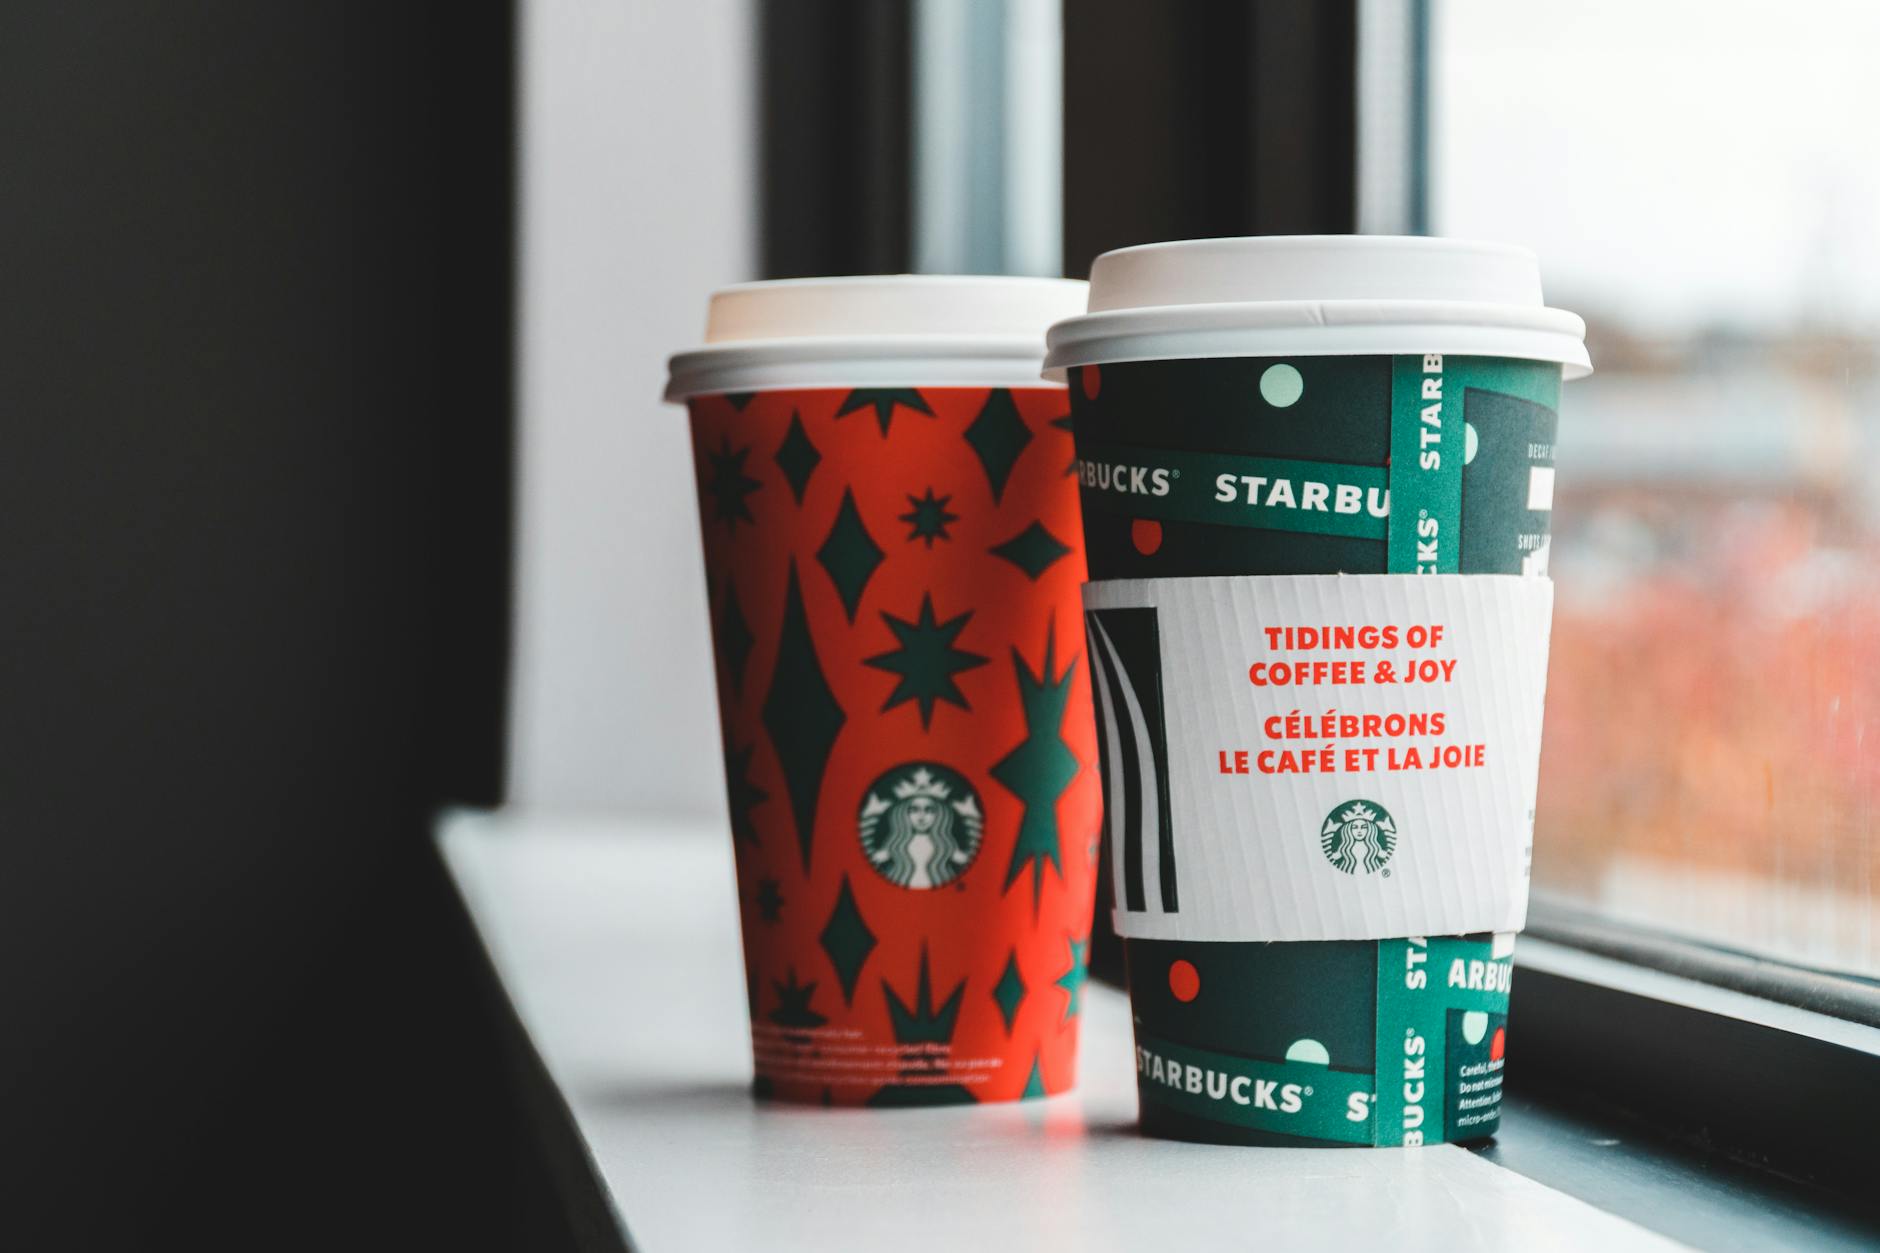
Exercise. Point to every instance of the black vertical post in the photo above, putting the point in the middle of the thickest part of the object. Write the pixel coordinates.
(835, 84)
(1184, 121)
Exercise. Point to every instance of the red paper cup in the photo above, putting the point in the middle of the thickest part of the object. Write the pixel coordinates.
(894, 556)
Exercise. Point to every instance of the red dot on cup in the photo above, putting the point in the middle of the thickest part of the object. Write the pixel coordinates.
(1498, 1044)
(1091, 380)
(1184, 980)
(1146, 535)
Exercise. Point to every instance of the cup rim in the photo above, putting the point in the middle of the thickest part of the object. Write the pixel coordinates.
(1319, 328)
(1003, 361)
(1317, 295)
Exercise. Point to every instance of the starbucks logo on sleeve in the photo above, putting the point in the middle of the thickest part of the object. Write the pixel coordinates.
(1358, 837)
(920, 825)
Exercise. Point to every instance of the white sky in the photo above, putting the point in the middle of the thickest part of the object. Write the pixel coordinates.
(1674, 163)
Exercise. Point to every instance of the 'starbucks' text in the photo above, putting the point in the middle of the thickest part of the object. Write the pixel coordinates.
(1309, 495)
(1282, 1098)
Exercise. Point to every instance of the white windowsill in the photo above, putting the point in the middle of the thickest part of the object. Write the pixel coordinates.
(618, 945)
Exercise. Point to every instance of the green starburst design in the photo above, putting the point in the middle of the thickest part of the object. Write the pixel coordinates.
(770, 900)
(847, 940)
(728, 484)
(1034, 1084)
(1072, 980)
(795, 1003)
(1009, 992)
(922, 1023)
(926, 661)
(797, 457)
(1041, 767)
(883, 401)
(850, 555)
(744, 795)
(929, 517)
(1033, 550)
(998, 435)
(734, 637)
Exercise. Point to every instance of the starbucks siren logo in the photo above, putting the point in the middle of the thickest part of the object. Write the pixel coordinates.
(1358, 836)
(920, 825)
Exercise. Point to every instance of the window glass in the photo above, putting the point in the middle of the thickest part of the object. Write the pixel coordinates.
(1702, 182)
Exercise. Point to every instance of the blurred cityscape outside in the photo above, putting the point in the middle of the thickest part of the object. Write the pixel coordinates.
(1715, 676)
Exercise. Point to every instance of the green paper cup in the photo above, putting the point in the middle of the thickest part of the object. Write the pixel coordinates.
(1318, 827)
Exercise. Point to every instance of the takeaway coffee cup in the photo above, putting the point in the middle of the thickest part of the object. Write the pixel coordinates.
(894, 556)
(1316, 476)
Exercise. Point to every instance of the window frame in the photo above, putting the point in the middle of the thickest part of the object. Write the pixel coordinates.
(1690, 1040)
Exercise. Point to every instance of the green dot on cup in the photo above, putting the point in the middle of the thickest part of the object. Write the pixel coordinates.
(1468, 447)
(1309, 1051)
(1474, 1026)
(1280, 385)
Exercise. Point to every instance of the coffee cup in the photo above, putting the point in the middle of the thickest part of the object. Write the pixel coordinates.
(1316, 476)
(893, 554)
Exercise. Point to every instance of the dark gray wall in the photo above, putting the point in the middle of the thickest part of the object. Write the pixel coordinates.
(254, 381)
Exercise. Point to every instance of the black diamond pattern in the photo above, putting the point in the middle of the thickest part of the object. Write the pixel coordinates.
(847, 940)
(850, 554)
(1009, 992)
(802, 716)
(998, 435)
(1033, 550)
(797, 457)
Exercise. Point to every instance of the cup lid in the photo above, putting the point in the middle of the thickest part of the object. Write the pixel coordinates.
(874, 331)
(1317, 295)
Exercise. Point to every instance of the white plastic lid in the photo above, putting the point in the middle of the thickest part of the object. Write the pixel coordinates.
(896, 330)
(1317, 295)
